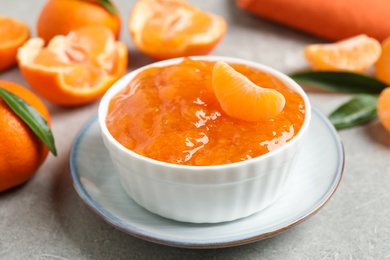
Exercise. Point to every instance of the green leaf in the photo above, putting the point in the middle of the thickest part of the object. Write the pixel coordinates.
(31, 117)
(340, 81)
(358, 110)
(109, 6)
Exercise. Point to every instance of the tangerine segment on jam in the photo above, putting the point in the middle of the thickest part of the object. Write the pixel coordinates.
(171, 114)
(240, 98)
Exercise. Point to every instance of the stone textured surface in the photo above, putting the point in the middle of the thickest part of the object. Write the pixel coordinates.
(45, 218)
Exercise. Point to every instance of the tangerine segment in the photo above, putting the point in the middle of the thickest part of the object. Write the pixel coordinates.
(382, 65)
(13, 34)
(74, 69)
(383, 108)
(355, 54)
(168, 29)
(240, 98)
(62, 17)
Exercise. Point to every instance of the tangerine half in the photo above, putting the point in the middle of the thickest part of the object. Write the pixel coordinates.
(167, 29)
(13, 34)
(73, 69)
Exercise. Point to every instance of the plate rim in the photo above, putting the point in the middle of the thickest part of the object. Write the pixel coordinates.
(148, 236)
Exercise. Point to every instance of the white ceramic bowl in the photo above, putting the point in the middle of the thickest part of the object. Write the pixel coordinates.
(204, 194)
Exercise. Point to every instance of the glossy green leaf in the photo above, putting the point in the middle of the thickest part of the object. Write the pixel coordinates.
(109, 6)
(340, 81)
(31, 117)
(358, 110)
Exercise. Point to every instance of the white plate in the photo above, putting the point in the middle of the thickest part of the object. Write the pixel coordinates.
(315, 179)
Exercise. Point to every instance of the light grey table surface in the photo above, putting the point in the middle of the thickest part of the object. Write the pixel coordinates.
(46, 219)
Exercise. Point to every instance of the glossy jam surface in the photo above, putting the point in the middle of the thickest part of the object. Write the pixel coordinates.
(171, 114)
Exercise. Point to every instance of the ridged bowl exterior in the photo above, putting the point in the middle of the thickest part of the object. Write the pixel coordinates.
(204, 194)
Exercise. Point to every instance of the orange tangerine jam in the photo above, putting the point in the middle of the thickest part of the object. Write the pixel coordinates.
(171, 114)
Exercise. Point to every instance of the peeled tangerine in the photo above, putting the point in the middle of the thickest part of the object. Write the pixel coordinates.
(242, 99)
(167, 29)
(355, 54)
(73, 69)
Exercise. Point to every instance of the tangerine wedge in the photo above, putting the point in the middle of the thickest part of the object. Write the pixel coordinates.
(382, 65)
(73, 69)
(354, 54)
(13, 34)
(240, 98)
(167, 29)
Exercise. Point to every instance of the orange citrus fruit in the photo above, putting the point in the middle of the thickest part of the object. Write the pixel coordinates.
(382, 65)
(354, 54)
(240, 98)
(21, 151)
(59, 17)
(167, 29)
(13, 34)
(73, 69)
(383, 108)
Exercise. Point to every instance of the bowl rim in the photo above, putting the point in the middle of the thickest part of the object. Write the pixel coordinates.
(124, 80)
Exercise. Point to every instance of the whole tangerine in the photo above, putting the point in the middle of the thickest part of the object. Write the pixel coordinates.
(383, 108)
(21, 151)
(59, 17)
